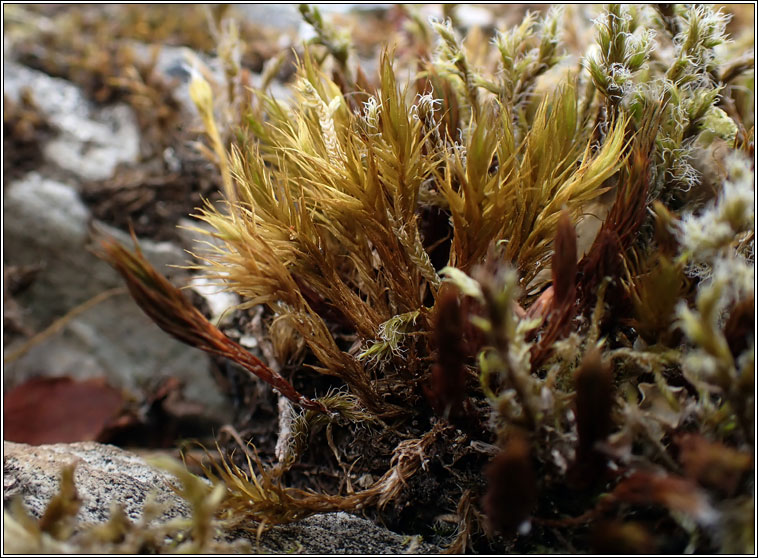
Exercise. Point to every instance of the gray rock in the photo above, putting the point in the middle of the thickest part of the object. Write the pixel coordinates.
(90, 142)
(278, 16)
(340, 533)
(106, 474)
(172, 63)
(46, 224)
(103, 474)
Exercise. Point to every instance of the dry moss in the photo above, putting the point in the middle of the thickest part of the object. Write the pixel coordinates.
(575, 373)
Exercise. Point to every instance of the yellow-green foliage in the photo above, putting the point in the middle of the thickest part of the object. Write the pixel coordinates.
(328, 202)
(584, 374)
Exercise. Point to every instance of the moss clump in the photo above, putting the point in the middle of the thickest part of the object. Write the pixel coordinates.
(385, 221)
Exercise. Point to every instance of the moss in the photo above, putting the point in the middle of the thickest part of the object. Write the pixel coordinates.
(571, 371)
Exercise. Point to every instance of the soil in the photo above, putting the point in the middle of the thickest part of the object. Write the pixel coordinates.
(151, 199)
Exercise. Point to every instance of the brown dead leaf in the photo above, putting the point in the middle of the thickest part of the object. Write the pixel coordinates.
(53, 410)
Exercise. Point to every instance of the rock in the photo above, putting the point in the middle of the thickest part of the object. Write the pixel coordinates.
(173, 65)
(219, 300)
(90, 142)
(339, 533)
(278, 16)
(475, 16)
(46, 223)
(106, 474)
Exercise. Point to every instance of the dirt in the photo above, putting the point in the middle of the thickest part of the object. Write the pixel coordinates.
(153, 199)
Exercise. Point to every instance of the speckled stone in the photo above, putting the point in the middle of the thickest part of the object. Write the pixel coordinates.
(107, 474)
(103, 474)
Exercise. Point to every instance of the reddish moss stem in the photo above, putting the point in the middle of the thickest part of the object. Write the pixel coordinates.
(165, 305)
